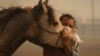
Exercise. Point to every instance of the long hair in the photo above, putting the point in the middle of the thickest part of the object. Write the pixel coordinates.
(68, 17)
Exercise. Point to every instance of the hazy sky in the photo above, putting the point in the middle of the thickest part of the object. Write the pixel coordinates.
(80, 9)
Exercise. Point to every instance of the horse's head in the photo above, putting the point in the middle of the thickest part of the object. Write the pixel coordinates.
(45, 17)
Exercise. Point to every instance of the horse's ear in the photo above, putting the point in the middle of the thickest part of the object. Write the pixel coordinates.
(43, 6)
(46, 2)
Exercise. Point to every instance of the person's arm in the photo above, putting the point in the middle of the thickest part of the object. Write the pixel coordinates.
(66, 41)
(66, 44)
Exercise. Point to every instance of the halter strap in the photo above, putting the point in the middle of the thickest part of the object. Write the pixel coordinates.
(60, 35)
(44, 29)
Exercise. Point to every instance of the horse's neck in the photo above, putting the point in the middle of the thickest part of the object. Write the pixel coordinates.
(14, 46)
(8, 46)
(12, 35)
(4, 17)
(33, 33)
(3, 14)
(9, 42)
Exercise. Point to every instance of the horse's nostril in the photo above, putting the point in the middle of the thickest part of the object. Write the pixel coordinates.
(55, 23)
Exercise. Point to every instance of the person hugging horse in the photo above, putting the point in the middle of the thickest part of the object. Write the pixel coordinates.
(70, 37)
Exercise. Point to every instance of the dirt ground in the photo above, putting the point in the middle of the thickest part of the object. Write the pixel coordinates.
(90, 47)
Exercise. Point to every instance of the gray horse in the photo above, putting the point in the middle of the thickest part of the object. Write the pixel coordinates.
(17, 26)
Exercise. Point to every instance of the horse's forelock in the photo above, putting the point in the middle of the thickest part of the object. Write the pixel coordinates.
(51, 15)
(38, 12)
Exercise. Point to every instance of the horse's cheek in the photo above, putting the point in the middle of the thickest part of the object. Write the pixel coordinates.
(31, 31)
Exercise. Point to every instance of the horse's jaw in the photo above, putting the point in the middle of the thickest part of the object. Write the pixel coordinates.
(50, 39)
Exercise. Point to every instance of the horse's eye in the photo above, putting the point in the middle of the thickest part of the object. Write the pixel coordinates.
(55, 23)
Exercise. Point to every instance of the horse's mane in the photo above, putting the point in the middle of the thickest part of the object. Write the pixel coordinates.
(38, 11)
(7, 14)
(11, 11)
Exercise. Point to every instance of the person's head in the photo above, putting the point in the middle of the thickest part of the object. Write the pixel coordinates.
(68, 20)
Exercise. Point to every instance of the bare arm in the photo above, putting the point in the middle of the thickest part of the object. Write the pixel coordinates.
(65, 40)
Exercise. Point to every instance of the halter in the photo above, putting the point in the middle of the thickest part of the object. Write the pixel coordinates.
(60, 34)
(46, 30)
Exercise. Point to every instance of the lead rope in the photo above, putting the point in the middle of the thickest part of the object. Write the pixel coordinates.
(60, 35)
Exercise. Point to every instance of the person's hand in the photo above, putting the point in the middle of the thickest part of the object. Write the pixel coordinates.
(28, 8)
(67, 33)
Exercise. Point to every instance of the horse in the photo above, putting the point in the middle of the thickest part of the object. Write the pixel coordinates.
(17, 26)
